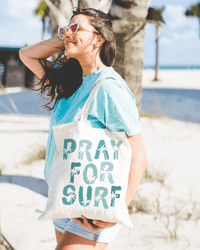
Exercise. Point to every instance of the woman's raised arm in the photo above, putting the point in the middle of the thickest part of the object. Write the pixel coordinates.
(29, 55)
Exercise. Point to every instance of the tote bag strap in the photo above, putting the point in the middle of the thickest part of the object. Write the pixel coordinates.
(85, 110)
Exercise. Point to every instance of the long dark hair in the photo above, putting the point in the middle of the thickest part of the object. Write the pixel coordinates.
(65, 80)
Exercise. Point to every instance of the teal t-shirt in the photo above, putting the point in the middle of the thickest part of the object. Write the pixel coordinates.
(113, 107)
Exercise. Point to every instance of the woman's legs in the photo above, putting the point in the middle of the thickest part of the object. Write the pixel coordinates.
(58, 235)
(70, 241)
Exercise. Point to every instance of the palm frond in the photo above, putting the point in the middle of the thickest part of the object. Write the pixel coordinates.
(193, 10)
(42, 9)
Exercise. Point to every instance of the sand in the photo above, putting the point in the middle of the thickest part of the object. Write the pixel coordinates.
(167, 202)
(184, 79)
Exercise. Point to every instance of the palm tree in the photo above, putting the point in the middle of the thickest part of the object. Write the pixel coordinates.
(43, 10)
(129, 20)
(194, 11)
(156, 15)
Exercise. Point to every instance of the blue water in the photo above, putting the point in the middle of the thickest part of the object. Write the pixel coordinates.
(27, 102)
(175, 67)
(181, 104)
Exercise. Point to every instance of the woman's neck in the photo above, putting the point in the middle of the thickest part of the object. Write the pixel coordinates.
(90, 66)
(88, 70)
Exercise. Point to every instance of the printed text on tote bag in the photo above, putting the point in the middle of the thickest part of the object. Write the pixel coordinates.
(90, 173)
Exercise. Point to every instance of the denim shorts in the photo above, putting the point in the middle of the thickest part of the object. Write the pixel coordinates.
(103, 236)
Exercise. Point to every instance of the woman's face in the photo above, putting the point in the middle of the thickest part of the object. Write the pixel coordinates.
(83, 42)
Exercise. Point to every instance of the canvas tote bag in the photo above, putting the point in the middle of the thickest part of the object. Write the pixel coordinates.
(90, 171)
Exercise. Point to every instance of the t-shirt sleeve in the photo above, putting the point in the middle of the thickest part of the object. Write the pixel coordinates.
(115, 107)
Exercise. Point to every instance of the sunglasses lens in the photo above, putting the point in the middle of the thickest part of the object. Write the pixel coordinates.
(61, 33)
(74, 27)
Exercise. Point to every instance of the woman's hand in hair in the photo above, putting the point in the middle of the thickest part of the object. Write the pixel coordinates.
(31, 54)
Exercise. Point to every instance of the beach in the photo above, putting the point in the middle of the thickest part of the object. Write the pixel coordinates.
(165, 211)
(172, 78)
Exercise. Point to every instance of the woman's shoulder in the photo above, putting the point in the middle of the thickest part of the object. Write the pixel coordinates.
(115, 87)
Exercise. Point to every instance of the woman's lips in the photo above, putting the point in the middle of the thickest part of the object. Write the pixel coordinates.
(68, 43)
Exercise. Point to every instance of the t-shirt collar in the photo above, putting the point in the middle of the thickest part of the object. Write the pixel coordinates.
(91, 76)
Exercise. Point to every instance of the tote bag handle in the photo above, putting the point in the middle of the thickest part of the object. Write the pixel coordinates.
(85, 110)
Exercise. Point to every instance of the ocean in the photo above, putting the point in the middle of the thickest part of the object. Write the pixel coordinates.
(175, 67)
(181, 104)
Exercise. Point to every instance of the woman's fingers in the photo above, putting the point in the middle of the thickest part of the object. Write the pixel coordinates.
(85, 223)
(90, 224)
(93, 225)
(103, 224)
(78, 220)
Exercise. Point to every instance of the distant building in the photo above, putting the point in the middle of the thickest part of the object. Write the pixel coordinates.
(13, 73)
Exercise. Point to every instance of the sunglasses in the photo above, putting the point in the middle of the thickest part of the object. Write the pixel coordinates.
(73, 27)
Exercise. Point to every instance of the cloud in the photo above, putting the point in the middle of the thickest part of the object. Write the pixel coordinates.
(175, 18)
(22, 11)
(164, 40)
(178, 27)
(22, 8)
(26, 26)
(187, 35)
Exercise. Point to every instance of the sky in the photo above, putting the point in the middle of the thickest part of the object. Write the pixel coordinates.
(179, 40)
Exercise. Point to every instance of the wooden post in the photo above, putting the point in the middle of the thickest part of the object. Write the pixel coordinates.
(157, 52)
(79, 4)
(43, 28)
(199, 27)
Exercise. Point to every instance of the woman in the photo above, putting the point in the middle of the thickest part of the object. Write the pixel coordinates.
(89, 45)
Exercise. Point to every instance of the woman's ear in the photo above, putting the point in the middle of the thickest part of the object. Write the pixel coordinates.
(100, 40)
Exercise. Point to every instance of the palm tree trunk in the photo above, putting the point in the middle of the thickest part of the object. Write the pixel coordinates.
(130, 48)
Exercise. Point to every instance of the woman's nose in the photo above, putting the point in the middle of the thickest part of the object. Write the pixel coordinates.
(67, 33)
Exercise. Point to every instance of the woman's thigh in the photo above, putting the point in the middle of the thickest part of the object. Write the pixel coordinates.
(70, 241)
(58, 235)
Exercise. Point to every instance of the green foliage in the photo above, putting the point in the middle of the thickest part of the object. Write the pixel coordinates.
(147, 114)
(32, 159)
(150, 115)
(137, 206)
(41, 154)
(160, 11)
(41, 8)
(147, 175)
(195, 10)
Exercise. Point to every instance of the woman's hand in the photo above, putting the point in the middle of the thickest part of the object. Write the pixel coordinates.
(93, 225)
